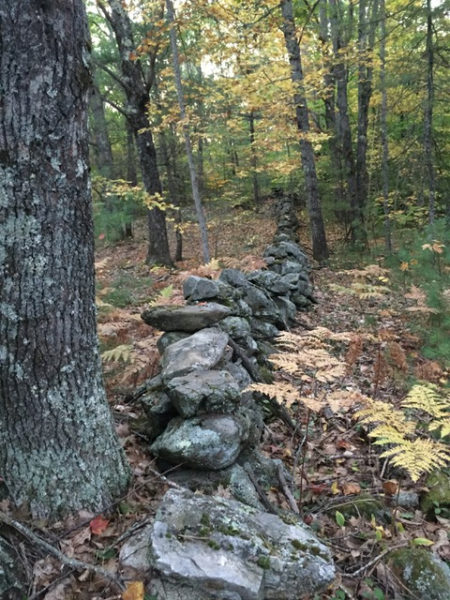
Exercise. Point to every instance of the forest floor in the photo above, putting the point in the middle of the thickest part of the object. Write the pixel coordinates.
(345, 491)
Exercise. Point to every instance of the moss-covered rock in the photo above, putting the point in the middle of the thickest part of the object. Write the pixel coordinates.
(422, 573)
(439, 492)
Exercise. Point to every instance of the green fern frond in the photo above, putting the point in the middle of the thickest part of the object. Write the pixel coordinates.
(418, 456)
(425, 397)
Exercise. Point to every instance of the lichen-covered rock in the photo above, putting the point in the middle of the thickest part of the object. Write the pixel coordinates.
(228, 550)
(270, 281)
(200, 351)
(159, 410)
(286, 249)
(239, 330)
(12, 578)
(233, 277)
(134, 553)
(185, 318)
(210, 442)
(262, 330)
(425, 575)
(239, 373)
(287, 308)
(204, 392)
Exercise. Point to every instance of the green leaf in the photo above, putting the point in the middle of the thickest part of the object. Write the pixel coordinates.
(422, 542)
(340, 519)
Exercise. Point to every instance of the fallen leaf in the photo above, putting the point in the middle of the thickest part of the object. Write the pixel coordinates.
(351, 488)
(134, 591)
(98, 525)
(390, 487)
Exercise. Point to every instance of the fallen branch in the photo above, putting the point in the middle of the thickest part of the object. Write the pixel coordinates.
(286, 490)
(73, 563)
(374, 561)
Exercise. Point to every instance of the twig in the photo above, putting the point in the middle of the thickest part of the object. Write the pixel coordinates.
(374, 561)
(286, 490)
(73, 563)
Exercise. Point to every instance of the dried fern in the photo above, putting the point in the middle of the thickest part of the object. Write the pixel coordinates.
(119, 353)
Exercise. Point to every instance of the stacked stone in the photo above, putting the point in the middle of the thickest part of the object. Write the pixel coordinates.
(202, 547)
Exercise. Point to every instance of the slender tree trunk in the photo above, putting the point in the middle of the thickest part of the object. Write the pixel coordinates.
(58, 449)
(102, 145)
(131, 157)
(368, 20)
(136, 86)
(383, 128)
(173, 194)
(319, 242)
(187, 138)
(428, 118)
(254, 160)
(343, 125)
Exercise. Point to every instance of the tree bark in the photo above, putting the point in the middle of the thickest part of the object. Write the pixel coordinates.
(136, 86)
(173, 194)
(319, 242)
(58, 449)
(254, 160)
(428, 118)
(187, 139)
(383, 129)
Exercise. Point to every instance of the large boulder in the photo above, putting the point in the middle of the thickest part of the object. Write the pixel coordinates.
(204, 391)
(196, 289)
(198, 352)
(184, 318)
(210, 442)
(228, 550)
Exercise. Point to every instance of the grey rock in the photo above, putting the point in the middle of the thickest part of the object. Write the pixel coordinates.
(201, 288)
(265, 469)
(200, 351)
(300, 300)
(166, 590)
(425, 575)
(204, 391)
(262, 305)
(239, 330)
(269, 281)
(210, 442)
(291, 266)
(242, 488)
(159, 410)
(287, 308)
(263, 330)
(248, 554)
(168, 338)
(239, 373)
(12, 578)
(134, 553)
(233, 277)
(184, 318)
(287, 250)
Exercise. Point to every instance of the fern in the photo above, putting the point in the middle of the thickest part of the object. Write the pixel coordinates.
(117, 354)
(418, 456)
(382, 412)
(425, 397)
(284, 393)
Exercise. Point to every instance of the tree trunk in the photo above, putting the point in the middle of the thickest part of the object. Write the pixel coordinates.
(254, 159)
(173, 195)
(187, 138)
(319, 243)
(428, 118)
(131, 157)
(102, 145)
(343, 125)
(136, 87)
(368, 20)
(383, 128)
(58, 449)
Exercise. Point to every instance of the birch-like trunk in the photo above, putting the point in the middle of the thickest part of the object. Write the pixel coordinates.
(58, 448)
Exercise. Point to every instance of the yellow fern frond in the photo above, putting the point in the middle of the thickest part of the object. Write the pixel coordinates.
(287, 362)
(382, 412)
(442, 424)
(331, 373)
(119, 353)
(284, 393)
(418, 456)
(426, 397)
(386, 434)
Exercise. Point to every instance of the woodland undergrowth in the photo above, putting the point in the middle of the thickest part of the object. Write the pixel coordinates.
(371, 414)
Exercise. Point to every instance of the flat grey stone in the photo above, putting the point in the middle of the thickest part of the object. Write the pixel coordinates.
(200, 351)
(270, 281)
(210, 442)
(134, 553)
(201, 288)
(170, 337)
(229, 550)
(184, 318)
(204, 391)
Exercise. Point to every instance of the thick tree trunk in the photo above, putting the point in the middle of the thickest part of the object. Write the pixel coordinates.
(187, 138)
(319, 243)
(58, 448)
(136, 87)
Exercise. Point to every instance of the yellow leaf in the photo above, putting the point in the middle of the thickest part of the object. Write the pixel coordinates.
(334, 488)
(404, 266)
(134, 591)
